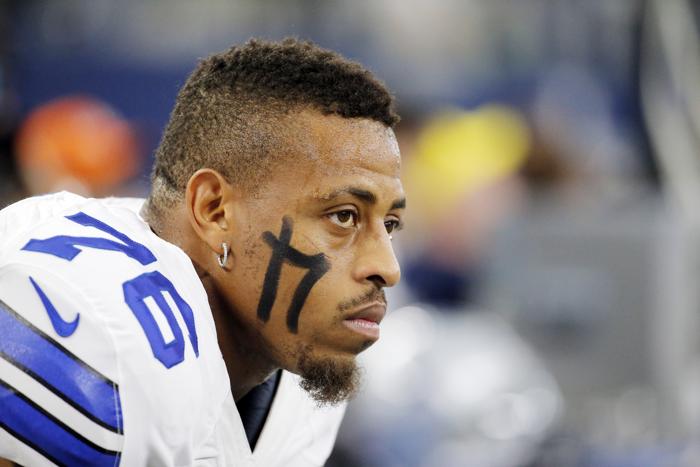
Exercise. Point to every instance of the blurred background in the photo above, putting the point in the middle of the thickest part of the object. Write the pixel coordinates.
(549, 310)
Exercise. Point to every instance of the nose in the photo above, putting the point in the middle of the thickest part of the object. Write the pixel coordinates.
(376, 261)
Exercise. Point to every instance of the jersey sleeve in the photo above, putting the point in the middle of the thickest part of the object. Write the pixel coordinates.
(108, 350)
(60, 400)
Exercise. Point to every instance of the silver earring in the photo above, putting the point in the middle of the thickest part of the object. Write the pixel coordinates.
(223, 259)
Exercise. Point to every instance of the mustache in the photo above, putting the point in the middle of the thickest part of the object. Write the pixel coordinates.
(374, 294)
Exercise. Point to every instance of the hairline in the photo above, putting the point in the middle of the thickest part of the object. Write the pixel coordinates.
(287, 113)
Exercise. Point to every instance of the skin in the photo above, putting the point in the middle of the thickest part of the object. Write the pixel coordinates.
(339, 185)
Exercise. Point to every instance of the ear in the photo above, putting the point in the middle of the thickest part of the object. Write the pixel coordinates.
(209, 200)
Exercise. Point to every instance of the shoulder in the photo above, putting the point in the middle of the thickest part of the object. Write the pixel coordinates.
(88, 277)
(53, 375)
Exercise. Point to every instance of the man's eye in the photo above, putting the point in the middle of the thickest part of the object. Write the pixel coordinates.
(391, 225)
(345, 219)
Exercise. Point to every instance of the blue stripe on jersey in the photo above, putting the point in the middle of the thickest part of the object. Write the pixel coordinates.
(57, 369)
(47, 435)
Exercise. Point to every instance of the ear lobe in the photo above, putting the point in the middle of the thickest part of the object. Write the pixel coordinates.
(208, 200)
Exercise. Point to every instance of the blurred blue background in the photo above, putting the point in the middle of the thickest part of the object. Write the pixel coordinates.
(548, 314)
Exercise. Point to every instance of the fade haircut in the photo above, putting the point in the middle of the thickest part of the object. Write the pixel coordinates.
(230, 114)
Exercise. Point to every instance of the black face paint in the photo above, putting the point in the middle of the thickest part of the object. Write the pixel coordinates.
(283, 252)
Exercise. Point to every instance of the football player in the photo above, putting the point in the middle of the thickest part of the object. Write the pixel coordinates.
(218, 321)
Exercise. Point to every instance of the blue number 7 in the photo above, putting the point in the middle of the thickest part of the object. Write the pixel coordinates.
(150, 284)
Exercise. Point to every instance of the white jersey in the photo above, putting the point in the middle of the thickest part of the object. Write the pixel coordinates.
(109, 356)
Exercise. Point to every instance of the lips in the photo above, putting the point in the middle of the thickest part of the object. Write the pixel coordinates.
(366, 320)
(373, 312)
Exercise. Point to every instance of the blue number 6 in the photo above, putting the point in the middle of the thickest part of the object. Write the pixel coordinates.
(154, 284)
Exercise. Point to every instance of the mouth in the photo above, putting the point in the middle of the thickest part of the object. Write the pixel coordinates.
(366, 320)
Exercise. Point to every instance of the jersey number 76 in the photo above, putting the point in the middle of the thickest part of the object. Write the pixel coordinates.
(149, 284)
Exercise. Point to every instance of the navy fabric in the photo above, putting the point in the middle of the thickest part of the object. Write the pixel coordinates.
(255, 406)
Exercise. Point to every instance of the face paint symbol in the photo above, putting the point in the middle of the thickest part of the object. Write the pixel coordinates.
(283, 252)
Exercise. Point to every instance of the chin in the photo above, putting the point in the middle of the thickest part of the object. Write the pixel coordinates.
(365, 345)
(329, 380)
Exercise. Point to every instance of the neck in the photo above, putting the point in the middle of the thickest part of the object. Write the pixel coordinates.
(246, 361)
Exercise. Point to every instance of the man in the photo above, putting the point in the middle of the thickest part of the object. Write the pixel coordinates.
(266, 240)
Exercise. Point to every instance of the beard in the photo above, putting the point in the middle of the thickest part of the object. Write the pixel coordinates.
(328, 381)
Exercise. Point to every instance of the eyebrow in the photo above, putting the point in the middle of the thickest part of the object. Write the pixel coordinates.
(398, 204)
(364, 195)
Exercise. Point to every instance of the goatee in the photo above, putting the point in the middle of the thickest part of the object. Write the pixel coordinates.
(328, 381)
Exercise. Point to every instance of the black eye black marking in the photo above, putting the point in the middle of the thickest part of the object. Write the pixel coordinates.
(283, 252)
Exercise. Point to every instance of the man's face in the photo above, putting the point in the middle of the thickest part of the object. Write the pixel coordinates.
(312, 251)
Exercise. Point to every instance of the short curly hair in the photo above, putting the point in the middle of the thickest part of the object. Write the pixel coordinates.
(228, 114)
